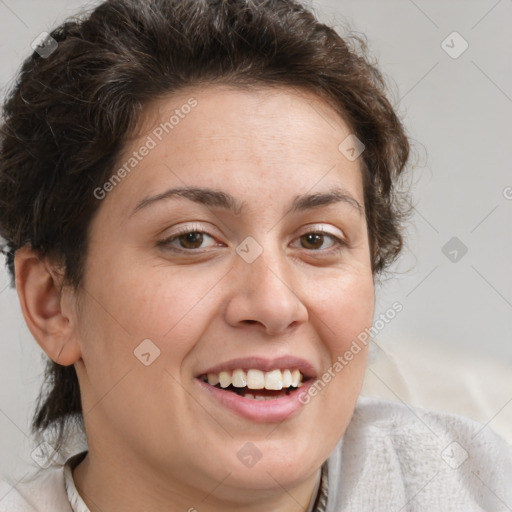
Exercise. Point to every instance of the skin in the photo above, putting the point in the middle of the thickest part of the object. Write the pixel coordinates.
(157, 441)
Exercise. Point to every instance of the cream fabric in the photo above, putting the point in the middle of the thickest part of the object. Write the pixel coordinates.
(429, 375)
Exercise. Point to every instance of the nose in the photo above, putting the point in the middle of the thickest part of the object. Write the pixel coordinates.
(266, 293)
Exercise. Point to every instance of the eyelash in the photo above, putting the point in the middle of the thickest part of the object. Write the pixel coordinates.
(339, 243)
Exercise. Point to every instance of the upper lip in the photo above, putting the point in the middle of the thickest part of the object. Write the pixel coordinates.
(265, 365)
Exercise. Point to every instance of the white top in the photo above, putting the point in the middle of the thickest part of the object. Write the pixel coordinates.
(391, 458)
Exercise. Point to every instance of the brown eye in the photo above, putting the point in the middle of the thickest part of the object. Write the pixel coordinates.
(192, 240)
(313, 240)
(186, 241)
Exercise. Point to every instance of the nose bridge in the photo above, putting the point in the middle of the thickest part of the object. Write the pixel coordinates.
(269, 275)
(265, 291)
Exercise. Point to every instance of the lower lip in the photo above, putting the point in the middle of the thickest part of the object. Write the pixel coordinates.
(264, 411)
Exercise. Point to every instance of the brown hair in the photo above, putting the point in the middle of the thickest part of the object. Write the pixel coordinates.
(70, 114)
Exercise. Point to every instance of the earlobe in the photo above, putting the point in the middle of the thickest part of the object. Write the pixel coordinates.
(46, 307)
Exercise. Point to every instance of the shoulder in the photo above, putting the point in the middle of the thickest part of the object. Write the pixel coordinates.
(393, 454)
(43, 491)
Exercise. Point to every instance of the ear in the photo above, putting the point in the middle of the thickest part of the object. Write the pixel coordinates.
(49, 309)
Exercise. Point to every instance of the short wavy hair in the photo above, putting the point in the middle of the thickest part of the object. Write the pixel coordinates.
(71, 113)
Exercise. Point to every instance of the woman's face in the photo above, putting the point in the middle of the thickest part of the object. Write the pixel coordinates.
(253, 286)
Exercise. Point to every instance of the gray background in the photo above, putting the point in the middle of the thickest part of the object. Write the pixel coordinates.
(458, 113)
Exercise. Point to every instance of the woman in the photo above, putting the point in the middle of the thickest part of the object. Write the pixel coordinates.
(197, 198)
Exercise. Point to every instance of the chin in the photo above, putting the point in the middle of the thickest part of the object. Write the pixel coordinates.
(269, 465)
(271, 476)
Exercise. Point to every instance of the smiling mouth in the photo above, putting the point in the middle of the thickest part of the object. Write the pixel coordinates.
(257, 385)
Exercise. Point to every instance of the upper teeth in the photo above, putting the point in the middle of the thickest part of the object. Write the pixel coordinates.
(256, 379)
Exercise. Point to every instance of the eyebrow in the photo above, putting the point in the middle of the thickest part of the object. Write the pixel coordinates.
(223, 200)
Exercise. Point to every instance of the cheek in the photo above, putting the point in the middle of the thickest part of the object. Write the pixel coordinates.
(166, 300)
(169, 306)
(344, 308)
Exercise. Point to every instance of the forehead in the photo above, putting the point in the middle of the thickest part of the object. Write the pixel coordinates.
(280, 112)
(259, 140)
